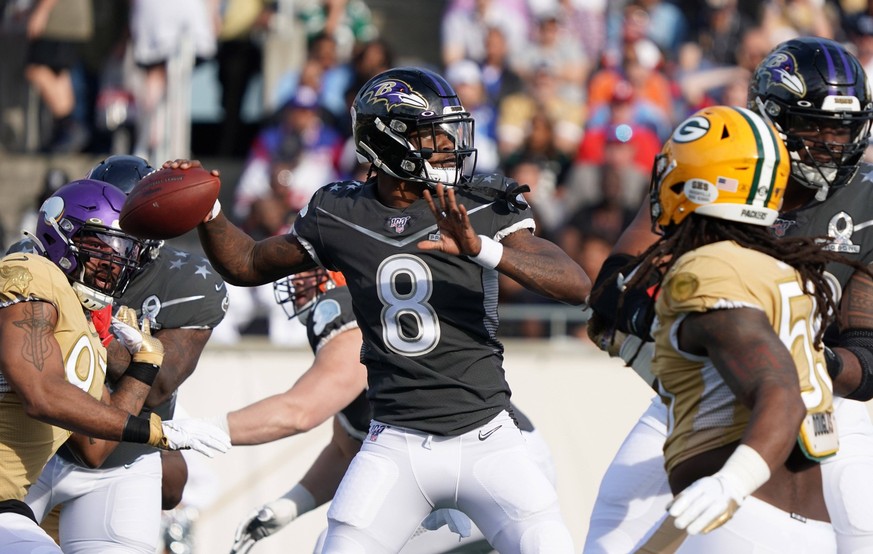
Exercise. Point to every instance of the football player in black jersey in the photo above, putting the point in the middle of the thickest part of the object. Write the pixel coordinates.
(323, 303)
(183, 299)
(420, 243)
(52, 360)
(818, 97)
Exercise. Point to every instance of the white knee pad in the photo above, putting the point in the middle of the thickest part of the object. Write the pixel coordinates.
(363, 490)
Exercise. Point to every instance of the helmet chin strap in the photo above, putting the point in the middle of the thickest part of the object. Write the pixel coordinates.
(90, 298)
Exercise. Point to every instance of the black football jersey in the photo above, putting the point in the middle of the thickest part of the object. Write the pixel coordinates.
(429, 320)
(331, 315)
(178, 290)
(845, 218)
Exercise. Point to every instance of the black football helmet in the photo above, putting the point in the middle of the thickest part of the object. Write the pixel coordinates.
(817, 96)
(399, 116)
(121, 170)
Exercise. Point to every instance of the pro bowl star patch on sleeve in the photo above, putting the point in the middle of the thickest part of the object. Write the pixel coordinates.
(325, 312)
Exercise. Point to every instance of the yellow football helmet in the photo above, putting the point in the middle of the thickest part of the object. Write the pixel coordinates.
(724, 162)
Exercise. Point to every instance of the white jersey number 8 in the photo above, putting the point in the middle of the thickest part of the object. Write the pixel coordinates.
(410, 307)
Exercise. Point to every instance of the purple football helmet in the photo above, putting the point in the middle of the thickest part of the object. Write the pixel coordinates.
(78, 230)
(818, 97)
(396, 119)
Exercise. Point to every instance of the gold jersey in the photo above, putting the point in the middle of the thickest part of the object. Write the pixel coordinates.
(26, 444)
(703, 412)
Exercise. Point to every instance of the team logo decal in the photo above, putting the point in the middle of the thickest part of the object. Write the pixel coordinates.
(840, 230)
(376, 430)
(151, 307)
(398, 223)
(780, 228)
(394, 93)
(782, 69)
(693, 129)
(325, 312)
(17, 278)
(700, 191)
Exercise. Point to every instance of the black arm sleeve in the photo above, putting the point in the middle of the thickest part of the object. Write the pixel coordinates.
(637, 309)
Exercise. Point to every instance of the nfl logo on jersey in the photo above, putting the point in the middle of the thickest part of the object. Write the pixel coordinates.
(398, 223)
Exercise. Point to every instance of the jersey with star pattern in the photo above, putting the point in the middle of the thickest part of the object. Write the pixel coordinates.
(845, 218)
(428, 319)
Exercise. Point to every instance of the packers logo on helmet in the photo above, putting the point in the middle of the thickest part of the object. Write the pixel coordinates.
(723, 162)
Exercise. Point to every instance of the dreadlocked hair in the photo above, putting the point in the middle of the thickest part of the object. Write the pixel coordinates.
(804, 254)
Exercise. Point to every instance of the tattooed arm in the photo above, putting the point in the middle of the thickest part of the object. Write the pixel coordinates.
(854, 345)
(538, 264)
(182, 349)
(33, 365)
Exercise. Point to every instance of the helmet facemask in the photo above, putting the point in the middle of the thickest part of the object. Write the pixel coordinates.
(824, 146)
(297, 293)
(78, 230)
(107, 260)
(435, 151)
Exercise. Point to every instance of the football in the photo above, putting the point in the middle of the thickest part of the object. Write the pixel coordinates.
(169, 202)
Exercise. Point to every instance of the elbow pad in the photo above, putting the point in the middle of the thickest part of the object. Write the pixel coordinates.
(860, 343)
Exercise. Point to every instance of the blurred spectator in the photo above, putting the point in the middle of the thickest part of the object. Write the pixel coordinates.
(320, 147)
(274, 211)
(553, 45)
(720, 31)
(159, 28)
(543, 166)
(640, 66)
(53, 179)
(528, 172)
(860, 31)
(624, 148)
(466, 22)
(499, 78)
(626, 107)
(584, 21)
(702, 85)
(466, 77)
(787, 19)
(348, 21)
(239, 58)
(542, 94)
(667, 26)
(336, 82)
(608, 216)
(55, 30)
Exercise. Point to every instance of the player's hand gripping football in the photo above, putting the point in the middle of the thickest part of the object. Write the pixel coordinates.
(457, 236)
(138, 340)
(263, 522)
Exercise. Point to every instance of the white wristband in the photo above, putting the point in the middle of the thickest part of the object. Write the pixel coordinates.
(490, 254)
(746, 469)
(299, 500)
(216, 208)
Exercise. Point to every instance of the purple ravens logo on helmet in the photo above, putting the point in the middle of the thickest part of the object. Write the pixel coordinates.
(394, 93)
(782, 68)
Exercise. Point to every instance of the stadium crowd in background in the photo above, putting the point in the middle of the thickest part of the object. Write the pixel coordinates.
(567, 91)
